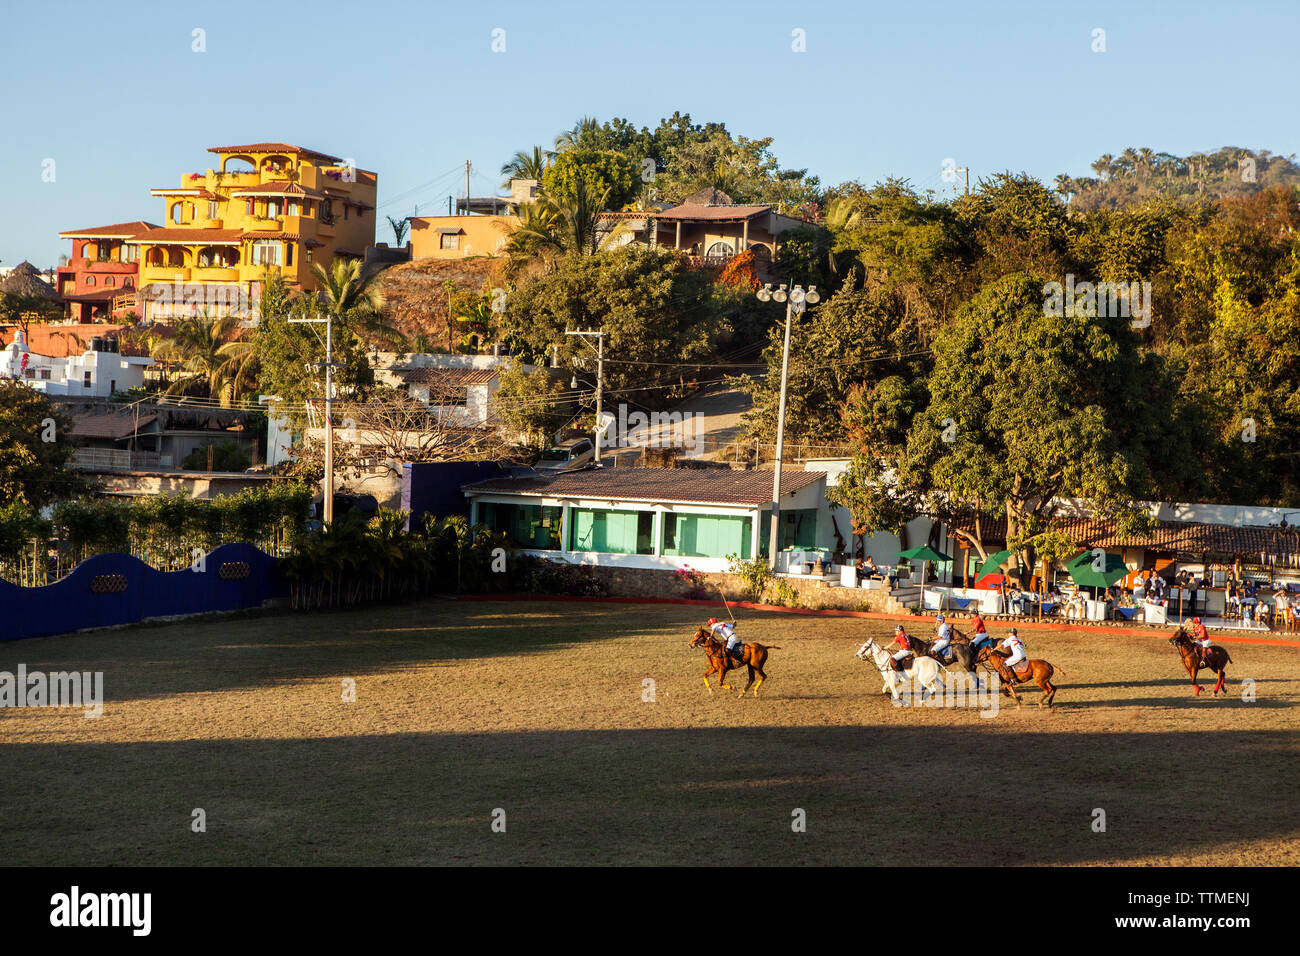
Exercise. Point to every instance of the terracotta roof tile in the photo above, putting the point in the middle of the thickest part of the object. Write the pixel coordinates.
(1188, 537)
(114, 425)
(122, 230)
(684, 485)
(449, 377)
(713, 213)
(274, 148)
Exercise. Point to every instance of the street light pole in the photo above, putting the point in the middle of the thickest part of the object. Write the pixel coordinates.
(795, 301)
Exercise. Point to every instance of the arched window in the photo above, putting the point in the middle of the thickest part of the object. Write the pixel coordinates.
(720, 250)
(90, 280)
(178, 210)
(108, 281)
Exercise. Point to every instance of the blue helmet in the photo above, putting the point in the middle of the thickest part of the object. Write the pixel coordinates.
(939, 619)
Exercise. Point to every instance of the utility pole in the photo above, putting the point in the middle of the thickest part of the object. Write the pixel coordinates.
(965, 171)
(328, 490)
(599, 349)
(467, 187)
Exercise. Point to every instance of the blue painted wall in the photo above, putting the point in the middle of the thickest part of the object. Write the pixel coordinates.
(71, 604)
(433, 487)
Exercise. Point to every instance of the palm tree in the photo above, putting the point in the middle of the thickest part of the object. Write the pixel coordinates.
(550, 227)
(1146, 159)
(1128, 160)
(1102, 167)
(573, 138)
(346, 293)
(527, 165)
(1064, 185)
(400, 228)
(196, 348)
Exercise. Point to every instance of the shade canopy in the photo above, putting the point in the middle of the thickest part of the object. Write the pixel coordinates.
(924, 553)
(1084, 574)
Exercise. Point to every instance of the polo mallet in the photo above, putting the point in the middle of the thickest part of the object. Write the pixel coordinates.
(726, 605)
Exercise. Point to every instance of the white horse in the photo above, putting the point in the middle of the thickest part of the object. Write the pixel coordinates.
(923, 671)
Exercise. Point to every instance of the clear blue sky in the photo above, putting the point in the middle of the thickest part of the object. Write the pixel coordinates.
(114, 94)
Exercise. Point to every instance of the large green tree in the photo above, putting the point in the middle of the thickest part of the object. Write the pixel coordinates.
(1024, 407)
(35, 447)
(659, 316)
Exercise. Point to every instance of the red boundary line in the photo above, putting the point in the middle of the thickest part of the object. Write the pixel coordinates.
(872, 615)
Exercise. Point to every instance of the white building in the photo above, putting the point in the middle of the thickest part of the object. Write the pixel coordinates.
(95, 373)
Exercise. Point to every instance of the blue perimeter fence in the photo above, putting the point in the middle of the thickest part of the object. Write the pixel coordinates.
(113, 589)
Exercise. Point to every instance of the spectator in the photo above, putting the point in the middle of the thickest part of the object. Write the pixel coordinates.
(1015, 600)
(1261, 610)
(871, 569)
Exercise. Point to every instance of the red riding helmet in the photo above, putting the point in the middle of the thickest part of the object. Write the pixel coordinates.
(713, 620)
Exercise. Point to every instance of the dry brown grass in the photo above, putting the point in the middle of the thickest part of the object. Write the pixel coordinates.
(537, 709)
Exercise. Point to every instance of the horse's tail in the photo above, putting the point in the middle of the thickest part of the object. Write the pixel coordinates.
(770, 647)
(1058, 670)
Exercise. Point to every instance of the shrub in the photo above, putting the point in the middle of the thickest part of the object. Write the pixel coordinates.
(754, 576)
(697, 586)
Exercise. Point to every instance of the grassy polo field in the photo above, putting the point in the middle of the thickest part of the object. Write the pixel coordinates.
(539, 709)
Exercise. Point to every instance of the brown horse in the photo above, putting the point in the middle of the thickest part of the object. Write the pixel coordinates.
(1216, 660)
(753, 656)
(1039, 671)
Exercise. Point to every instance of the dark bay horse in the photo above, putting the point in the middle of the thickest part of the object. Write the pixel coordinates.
(1216, 660)
(753, 656)
(1039, 671)
(963, 654)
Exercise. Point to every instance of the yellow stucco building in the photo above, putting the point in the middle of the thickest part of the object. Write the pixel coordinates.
(266, 205)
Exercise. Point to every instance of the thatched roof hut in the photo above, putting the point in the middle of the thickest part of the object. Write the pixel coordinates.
(25, 279)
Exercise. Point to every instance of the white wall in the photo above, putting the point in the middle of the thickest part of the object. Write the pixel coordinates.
(109, 371)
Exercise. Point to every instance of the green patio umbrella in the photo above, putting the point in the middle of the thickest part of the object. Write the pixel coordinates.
(992, 563)
(1083, 573)
(924, 553)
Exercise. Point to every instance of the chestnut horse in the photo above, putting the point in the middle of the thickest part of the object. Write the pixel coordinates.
(1039, 671)
(1216, 660)
(754, 656)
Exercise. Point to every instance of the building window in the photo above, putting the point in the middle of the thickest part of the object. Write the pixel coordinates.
(720, 250)
(798, 529)
(214, 209)
(707, 536)
(526, 526)
(248, 208)
(45, 375)
(611, 532)
(85, 380)
(288, 253)
(294, 208)
(449, 241)
(178, 212)
(30, 373)
(90, 280)
(128, 284)
(130, 252)
(266, 252)
(108, 281)
(273, 208)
